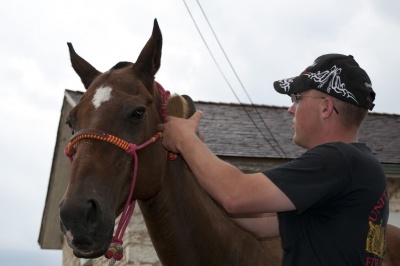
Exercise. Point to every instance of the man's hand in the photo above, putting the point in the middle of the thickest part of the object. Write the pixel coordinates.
(177, 131)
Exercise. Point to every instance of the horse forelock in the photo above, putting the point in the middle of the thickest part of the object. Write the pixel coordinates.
(121, 64)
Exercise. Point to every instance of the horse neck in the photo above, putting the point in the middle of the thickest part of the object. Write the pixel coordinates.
(188, 228)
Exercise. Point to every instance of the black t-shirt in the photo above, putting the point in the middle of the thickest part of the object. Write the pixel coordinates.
(340, 194)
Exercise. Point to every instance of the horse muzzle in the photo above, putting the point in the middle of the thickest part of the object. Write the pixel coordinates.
(87, 228)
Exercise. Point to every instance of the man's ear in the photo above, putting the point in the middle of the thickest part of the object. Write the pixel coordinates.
(327, 107)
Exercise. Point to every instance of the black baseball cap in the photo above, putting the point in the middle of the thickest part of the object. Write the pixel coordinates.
(335, 74)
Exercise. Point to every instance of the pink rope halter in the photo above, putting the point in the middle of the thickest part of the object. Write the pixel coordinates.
(115, 251)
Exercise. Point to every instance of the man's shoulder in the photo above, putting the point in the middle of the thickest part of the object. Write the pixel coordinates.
(341, 147)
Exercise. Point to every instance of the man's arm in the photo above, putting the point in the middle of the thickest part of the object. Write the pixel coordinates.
(260, 225)
(237, 192)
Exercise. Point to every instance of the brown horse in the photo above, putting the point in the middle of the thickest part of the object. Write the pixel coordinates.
(392, 256)
(184, 223)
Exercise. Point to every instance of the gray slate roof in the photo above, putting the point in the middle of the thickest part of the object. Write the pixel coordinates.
(248, 131)
(234, 130)
(229, 131)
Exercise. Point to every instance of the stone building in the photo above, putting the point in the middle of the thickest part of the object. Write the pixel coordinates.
(232, 132)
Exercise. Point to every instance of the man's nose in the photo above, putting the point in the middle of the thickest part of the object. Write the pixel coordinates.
(292, 109)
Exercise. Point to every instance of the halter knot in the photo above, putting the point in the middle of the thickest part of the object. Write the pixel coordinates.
(115, 251)
(132, 148)
(69, 152)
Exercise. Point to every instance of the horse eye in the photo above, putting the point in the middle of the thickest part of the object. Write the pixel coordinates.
(68, 122)
(138, 113)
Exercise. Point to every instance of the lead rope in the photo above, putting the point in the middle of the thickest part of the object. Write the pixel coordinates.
(115, 251)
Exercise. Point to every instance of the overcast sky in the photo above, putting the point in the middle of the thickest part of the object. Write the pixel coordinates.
(264, 40)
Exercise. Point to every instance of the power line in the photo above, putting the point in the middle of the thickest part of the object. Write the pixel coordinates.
(241, 84)
(209, 50)
(237, 77)
(223, 51)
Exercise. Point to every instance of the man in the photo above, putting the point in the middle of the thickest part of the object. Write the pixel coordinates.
(331, 202)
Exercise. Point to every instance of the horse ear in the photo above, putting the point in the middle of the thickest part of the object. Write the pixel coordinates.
(85, 71)
(149, 59)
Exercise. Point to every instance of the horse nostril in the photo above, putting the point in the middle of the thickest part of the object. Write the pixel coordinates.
(93, 214)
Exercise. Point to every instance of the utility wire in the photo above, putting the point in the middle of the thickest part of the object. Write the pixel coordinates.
(240, 82)
(237, 77)
(223, 51)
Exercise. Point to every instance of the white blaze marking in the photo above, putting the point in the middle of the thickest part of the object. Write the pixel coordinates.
(102, 95)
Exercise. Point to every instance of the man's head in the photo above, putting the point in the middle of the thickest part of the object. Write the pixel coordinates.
(330, 100)
(336, 75)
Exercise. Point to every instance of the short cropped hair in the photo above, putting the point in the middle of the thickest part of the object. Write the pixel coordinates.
(351, 116)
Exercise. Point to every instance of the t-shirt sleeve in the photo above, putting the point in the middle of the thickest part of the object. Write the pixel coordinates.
(317, 177)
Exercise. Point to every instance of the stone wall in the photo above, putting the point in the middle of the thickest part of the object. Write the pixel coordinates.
(394, 194)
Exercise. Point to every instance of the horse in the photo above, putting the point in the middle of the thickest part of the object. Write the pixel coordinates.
(116, 119)
(392, 255)
(185, 225)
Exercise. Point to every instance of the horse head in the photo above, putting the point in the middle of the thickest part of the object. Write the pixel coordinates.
(122, 102)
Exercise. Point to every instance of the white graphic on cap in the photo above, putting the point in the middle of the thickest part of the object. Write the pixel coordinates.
(285, 84)
(335, 84)
(368, 85)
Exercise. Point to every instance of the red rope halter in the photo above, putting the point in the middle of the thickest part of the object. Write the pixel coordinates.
(115, 251)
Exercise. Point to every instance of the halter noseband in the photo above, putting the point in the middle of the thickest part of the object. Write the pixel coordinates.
(129, 148)
(115, 251)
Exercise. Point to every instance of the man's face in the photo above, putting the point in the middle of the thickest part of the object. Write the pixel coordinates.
(306, 120)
